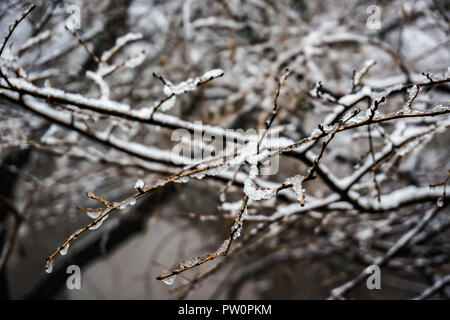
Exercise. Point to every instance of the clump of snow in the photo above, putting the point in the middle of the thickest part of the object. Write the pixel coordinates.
(256, 194)
(168, 104)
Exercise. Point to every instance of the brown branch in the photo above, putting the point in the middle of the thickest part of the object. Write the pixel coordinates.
(83, 44)
(11, 31)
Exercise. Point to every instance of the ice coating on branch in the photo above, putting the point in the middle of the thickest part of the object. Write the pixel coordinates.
(120, 42)
(190, 84)
(106, 105)
(223, 248)
(256, 194)
(98, 224)
(412, 92)
(250, 188)
(182, 180)
(316, 132)
(211, 74)
(238, 231)
(64, 250)
(351, 99)
(246, 152)
(139, 184)
(50, 267)
(185, 86)
(237, 227)
(127, 203)
(188, 263)
(34, 40)
(360, 74)
(169, 280)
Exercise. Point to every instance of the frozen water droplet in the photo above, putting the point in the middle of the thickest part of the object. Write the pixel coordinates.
(169, 280)
(127, 203)
(182, 180)
(94, 214)
(64, 250)
(139, 184)
(98, 224)
(440, 202)
(50, 267)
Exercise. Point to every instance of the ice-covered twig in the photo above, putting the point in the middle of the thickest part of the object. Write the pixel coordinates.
(5, 41)
(438, 285)
(339, 292)
(83, 44)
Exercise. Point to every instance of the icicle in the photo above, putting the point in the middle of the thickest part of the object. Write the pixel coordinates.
(64, 250)
(99, 223)
(50, 267)
(298, 188)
